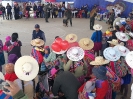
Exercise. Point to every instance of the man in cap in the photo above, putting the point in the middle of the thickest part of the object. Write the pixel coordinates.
(37, 33)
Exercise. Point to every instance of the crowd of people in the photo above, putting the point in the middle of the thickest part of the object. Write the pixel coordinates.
(99, 67)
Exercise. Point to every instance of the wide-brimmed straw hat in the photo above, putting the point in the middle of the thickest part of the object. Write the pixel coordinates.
(113, 42)
(122, 36)
(37, 42)
(71, 38)
(122, 49)
(129, 59)
(75, 53)
(111, 54)
(97, 27)
(99, 60)
(86, 44)
(26, 68)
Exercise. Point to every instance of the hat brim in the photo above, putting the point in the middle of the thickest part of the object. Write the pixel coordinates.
(71, 41)
(75, 58)
(33, 43)
(109, 57)
(94, 27)
(96, 73)
(81, 44)
(110, 42)
(120, 38)
(18, 68)
(129, 58)
(99, 63)
(122, 53)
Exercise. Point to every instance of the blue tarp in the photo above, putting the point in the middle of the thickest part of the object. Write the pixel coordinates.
(104, 3)
(65, 0)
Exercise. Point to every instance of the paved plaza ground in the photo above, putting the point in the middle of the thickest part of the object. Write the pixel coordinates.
(54, 28)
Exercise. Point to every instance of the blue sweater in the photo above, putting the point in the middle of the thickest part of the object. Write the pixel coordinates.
(97, 36)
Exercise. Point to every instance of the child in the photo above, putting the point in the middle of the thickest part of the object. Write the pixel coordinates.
(5, 48)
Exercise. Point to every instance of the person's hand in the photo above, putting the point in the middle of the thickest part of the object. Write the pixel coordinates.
(13, 89)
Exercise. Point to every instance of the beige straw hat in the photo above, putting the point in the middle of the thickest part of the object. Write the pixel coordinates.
(113, 42)
(37, 42)
(71, 38)
(86, 44)
(97, 27)
(99, 60)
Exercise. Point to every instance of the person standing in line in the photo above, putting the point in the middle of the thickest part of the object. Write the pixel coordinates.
(37, 33)
(28, 9)
(40, 9)
(59, 12)
(16, 11)
(3, 9)
(63, 10)
(9, 11)
(46, 9)
(68, 15)
(92, 18)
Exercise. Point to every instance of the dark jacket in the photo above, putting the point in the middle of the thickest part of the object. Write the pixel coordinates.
(34, 8)
(39, 35)
(9, 8)
(67, 83)
(68, 14)
(16, 9)
(3, 9)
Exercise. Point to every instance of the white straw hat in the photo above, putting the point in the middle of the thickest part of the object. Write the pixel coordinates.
(26, 68)
(122, 36)
(129, 59)
(111, 54)
(75, 53)
(97, 27)
(122, 49)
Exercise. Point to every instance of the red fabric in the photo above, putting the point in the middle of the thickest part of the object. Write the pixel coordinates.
(81, 88)
(74, 44)
(122, 29)
(101, 92)
(11, 77)
(112, 66)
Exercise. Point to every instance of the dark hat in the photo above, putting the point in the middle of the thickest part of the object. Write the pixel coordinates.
(37, 26)
(12, 58)
(100, 72)
(128, 27)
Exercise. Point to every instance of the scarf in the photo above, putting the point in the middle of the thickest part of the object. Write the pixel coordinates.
(11, 76)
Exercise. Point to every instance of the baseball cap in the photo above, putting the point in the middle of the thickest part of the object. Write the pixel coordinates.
(37, 26)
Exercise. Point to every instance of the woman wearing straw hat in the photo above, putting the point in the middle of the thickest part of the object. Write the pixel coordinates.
(113, 79)
(97, 39)
(37, 50)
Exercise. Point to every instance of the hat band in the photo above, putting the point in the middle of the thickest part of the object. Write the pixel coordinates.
(71, 39)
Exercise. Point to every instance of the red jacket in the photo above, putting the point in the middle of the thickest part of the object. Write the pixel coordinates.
(101, 89)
